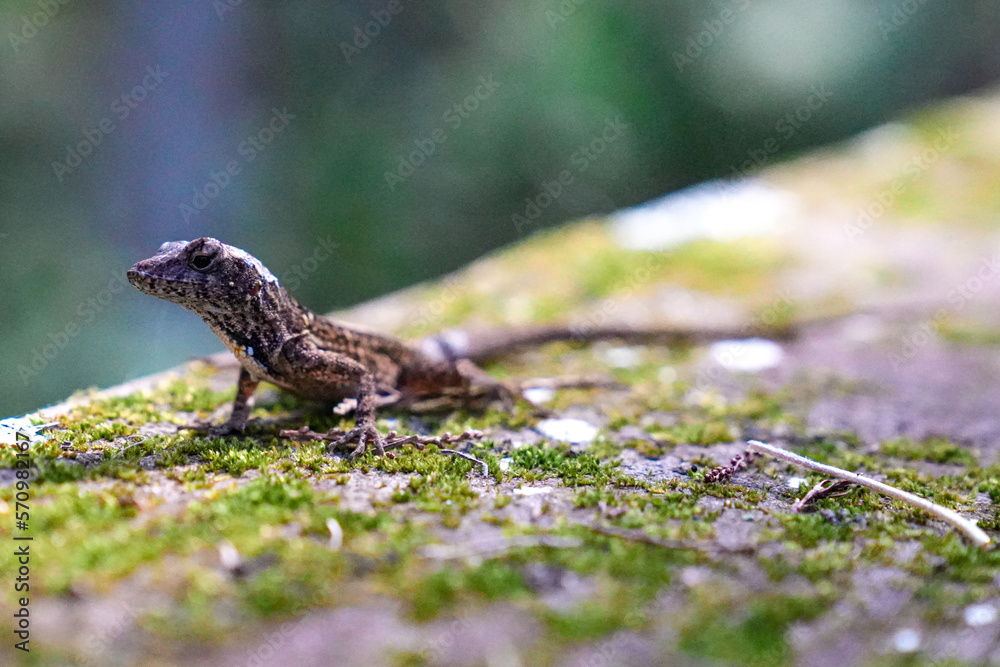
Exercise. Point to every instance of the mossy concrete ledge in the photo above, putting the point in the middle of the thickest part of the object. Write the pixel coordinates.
(595, 537)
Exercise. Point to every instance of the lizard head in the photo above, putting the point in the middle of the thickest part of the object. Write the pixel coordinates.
(204, 275)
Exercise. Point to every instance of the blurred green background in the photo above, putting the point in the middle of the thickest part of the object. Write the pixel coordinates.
(359, 147)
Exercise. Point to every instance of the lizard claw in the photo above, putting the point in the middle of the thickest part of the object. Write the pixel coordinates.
(365, 434)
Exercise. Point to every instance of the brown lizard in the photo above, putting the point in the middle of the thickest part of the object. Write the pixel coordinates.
(277, 340)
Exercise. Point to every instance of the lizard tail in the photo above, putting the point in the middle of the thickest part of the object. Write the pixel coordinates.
(482, 346)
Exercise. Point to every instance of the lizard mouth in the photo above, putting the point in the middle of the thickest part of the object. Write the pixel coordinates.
(147, 282)
(139, 278)
(135, 276)
(191, 295)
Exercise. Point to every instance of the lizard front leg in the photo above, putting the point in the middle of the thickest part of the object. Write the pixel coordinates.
(246, 385)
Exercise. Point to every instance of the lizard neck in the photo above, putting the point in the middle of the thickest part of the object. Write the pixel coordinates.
(256, 327)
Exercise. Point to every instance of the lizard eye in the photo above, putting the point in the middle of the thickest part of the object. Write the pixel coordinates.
(201, 261)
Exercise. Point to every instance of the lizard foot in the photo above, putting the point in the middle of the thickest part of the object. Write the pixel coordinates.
(365, 435)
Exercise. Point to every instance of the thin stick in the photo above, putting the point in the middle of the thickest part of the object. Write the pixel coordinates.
(467, 457)
(141, 439)
(959, 522)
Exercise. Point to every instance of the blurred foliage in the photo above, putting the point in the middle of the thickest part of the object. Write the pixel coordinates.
(408, 138)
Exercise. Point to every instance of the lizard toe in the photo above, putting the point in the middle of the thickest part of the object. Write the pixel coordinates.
(365, 436)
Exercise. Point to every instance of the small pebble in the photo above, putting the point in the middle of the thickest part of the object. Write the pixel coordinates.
(667, 375)
(229, 557)
(795, 482)
(575, 431)
(532, 490)
(906, 641)
(620, 356)
(539, 395)
(980, 614)
(748, 355)
(336, 534)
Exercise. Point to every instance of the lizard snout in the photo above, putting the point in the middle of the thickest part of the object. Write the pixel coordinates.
(140, 275)
(135, 272)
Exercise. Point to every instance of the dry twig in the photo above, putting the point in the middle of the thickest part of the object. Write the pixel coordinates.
(824, 489)
(971, 530)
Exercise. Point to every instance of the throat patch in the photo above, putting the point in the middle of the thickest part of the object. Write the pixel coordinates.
(247, 347)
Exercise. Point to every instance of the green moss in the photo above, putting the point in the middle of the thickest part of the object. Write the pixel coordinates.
(755, 635)
(808, 530)
(269, 499)
(968, 333)
(938, 450)
(695, 433)
(436, 492)
(827, 560)
(651, 510)
(409, 659)
(113, 519)
(445, 588)
(596, 268)
(965, 562)
(542, 462)
(233, 461)
(593, 619)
